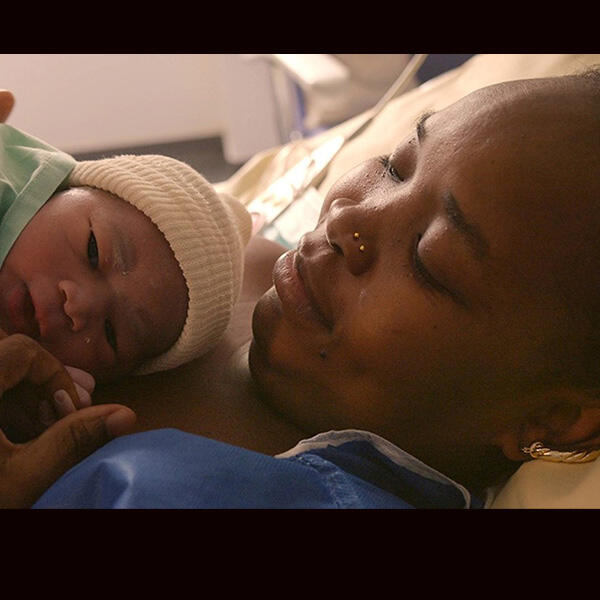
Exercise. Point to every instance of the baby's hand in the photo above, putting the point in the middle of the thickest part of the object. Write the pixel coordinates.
(61, 404)
(36, 388)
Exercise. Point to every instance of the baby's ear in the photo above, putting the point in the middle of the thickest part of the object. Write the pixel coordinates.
(7, 101)
(565, 419)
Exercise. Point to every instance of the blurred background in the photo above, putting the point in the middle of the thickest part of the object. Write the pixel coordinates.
(213, 111)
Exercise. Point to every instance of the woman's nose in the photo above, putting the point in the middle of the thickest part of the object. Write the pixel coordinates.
(351, 233)
(80, 303)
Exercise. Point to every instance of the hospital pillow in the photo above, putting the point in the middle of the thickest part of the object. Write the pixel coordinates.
(551, 485)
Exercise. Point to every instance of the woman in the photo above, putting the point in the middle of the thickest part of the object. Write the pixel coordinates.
(445, 303)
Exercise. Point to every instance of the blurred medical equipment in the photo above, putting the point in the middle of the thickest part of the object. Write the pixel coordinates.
(296, 189)
(268, 100)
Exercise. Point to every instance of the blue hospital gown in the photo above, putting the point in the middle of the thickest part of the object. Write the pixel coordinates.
(168, 468)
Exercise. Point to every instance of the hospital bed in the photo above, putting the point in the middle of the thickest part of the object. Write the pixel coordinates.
(535, 484)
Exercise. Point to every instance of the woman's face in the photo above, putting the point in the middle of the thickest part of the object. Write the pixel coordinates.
(95, 282)
(436, 291)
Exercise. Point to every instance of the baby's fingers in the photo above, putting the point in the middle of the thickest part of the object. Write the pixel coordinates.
(85, 398)
(63, 404)
(84, 384)
(82, 379)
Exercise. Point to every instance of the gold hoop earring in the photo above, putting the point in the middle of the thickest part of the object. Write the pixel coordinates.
(537, 450)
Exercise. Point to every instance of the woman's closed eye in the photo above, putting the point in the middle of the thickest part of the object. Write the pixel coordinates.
(429, 281)
(417, 265)
(422, 272)
(389, 168)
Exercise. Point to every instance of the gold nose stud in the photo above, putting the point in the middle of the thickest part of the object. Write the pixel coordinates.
(356, 237)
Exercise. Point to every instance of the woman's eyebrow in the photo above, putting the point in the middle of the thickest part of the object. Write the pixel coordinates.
(470, 232)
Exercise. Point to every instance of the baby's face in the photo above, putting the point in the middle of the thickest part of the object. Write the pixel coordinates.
(466, 283)
(95, 282)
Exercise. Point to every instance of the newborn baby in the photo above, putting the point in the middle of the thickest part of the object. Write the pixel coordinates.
(129, 264)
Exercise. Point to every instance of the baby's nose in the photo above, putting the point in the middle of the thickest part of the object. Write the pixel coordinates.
(79, 304)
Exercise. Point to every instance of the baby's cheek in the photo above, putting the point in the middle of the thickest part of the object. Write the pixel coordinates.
(86, 354)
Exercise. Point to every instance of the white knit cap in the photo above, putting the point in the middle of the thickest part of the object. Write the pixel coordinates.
(206, 231)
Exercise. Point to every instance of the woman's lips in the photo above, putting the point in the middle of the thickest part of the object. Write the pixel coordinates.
(21, 312)
(296, 299)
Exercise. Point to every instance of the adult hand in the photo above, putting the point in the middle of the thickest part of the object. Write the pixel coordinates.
(36, 388)
(7, 102)
(27, 470)
(30, 379)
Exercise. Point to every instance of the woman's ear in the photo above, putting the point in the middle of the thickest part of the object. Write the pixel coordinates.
(563, 419)
(7, 101)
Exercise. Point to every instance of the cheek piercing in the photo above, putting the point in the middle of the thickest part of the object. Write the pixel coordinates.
(356, 236)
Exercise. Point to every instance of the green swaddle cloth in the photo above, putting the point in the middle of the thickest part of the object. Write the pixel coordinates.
(31, 171)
